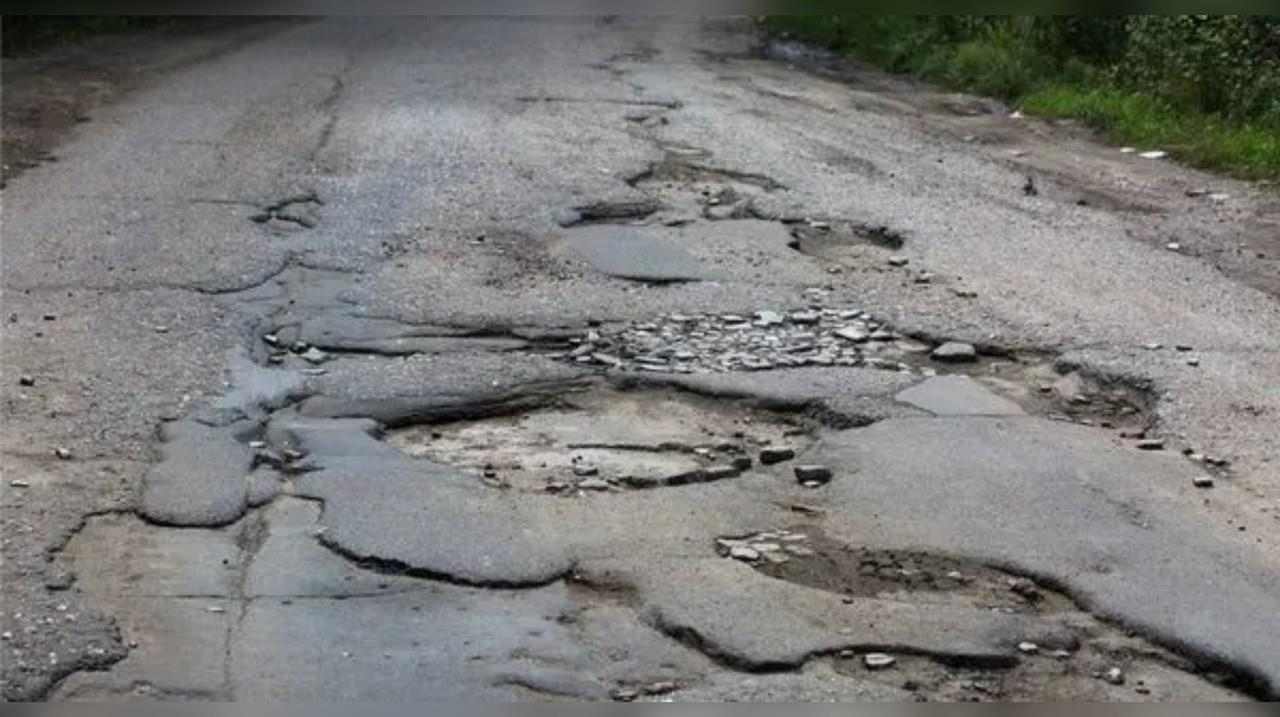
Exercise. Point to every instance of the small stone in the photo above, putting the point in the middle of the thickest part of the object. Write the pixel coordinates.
(899, 261)
(878, 660)
(1150, 444)
(1114, 675)
(798, 550)
(1154, 154)
(19, 483)
(585, 470)
(852, 333)
(62, 454)
(594, 484)
(1060, 654)
(815, 474)
(1193, 362)
(955, 352)
(1173, 246)
(768, 318)
(924, 278)
(1184, 348)
(271, 339)
(161, 329)
(1153, 346)
(624, 694)
(770, 456)
(742, 552)
(215, 609)
(315, 355)
(26, 381)
(1028, 647)
(1202, 482)
(805, 317)
(257, 444)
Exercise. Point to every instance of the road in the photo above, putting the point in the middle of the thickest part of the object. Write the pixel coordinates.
(502, 359)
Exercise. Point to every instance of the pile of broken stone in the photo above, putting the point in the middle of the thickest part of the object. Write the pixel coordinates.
(817, 335)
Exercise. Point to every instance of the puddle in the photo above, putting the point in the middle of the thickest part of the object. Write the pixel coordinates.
(607, 440)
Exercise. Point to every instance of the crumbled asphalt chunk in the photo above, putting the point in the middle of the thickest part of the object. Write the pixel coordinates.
(1202, 481)
(769, 456)
(200, 479)
(955, 352)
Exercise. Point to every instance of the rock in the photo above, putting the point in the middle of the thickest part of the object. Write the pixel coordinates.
(585, 470)
(806, 474)
(1028, 647)
(314, 355)
(955, 352)
(1173, 246)
(742, 552)
(1153, 346)
(878, 660)
(594, 484)
(1193, 362)
(26, 381)
(768, 318)
(62, 454)
(853, 333)
(1114, 675)
(624, 694)
(805, 317)
(1150, 444)
(271, 339)
(899, 261)
(566, 217)
(161, 329)
(19, 483)
(1154, 154)
(1202, 482)
(770, 456)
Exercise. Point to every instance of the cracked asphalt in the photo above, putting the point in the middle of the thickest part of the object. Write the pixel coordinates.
(577, 358)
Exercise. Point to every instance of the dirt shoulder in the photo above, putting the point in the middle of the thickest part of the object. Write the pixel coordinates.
(47, 93)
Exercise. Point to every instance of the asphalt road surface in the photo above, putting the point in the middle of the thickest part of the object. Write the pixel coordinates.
(629, 359)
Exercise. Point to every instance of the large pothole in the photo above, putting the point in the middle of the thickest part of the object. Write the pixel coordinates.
(603, 440)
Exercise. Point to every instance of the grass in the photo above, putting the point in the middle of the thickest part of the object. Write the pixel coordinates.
(1003, 61)
(1146, 121)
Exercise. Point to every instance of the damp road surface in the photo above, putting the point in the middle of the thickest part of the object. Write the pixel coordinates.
(625, 359)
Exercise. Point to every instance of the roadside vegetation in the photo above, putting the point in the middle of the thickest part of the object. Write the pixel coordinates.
(1205, 88)
(23, 34)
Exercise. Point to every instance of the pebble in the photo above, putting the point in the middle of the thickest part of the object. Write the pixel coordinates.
(19, 483)
(62, 453)
(1173, 246)
(585, 470)
(1202, 482)
(1154, 154)
(1150, 444)
(1193, 362)
(314, 355)
(770, 456)
(1153, 346)
(878, 660)
(594, 484)
(768, 318)
(852, 333)
(1114, 675)
(1028, 647)
(271, 339)
(162, 329)
(899, 261)
(812, 474)
(955, 352)
(26, 381)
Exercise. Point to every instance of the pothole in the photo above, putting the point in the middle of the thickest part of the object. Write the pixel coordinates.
(819, 334)
(830, 240)
(713, 193)
(806, 556)
(292, 213)
(607, 440)
(1106, 663)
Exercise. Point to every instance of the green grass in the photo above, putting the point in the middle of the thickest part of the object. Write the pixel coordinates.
(1148, 122)
(1003, 60)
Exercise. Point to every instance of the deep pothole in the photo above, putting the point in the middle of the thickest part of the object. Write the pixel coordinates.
(1106, 662)
(605, 439)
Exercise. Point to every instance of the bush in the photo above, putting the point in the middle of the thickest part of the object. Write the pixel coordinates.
(1206, 87)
